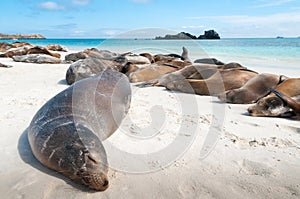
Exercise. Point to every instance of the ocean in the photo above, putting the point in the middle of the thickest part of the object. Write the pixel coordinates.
(273, 52)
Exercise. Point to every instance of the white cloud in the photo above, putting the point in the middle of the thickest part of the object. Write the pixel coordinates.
(272, 3)
(284, 24)
(50, 5)
(80, 2)
(275, 18)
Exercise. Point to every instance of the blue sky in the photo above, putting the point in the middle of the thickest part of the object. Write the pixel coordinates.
(109, 18)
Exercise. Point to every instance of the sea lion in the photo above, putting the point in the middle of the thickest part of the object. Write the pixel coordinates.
(172, 56)
(25, 50)
(5, 66)
(185, 54)
(253, 90)
(273, 106)
(153, 71)
(194, 71)
(18, 44)
(56, 47)
(89, 67)
(65, 134)
(149, 56)
(37, 58)
(4, 46)
(226, 79)
(73, 57)
(209, 61)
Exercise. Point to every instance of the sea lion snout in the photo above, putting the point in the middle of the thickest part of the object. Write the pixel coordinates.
(250, 111)
(97, 182)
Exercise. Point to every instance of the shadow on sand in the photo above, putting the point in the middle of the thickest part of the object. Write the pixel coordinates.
(26, 155)
(62, 82)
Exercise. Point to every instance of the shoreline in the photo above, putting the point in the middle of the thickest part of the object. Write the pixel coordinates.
(270, 50)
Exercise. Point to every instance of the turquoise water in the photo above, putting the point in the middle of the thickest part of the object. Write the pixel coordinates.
(286, 50)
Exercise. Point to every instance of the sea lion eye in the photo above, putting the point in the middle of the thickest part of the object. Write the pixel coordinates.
(274, 103)
(92, 159)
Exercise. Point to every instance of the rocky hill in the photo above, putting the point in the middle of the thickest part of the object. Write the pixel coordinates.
(210, 34)
(21, 36)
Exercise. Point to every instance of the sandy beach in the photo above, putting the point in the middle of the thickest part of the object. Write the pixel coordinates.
(216, 150)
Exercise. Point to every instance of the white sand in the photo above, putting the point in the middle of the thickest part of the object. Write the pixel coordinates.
(249, 157)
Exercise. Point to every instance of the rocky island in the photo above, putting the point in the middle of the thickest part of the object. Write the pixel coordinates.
(210, 34)
(21, 36)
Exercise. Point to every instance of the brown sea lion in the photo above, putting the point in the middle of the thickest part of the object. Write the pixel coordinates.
(4, 46)
(66, 133)
(194, 71)
(273, 106)
(56, 47)
(219, 82)
(149, 56)
(18, 44)
(253, 90)
(153, 71)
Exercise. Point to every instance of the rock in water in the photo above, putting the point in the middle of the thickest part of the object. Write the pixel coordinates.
(66, 133)
(210, 34)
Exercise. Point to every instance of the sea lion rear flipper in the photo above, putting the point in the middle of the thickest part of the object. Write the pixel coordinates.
(152, 82)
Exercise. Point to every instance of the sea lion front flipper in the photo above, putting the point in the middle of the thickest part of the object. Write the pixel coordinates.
(293, 104)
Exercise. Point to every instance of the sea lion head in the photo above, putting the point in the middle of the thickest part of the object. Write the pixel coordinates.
(84, 160)
(268, 106)
(236, 96)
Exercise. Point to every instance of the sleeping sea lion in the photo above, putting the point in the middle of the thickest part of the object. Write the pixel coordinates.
(66, 133)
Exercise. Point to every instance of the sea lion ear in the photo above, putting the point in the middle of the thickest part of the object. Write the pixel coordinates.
(282, 78)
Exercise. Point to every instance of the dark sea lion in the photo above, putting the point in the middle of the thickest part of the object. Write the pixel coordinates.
(89, 67)
(253, 90)
(65, 133)
(37, 58)
(209, 61)
(73, 57)
(5, 66)
(172, 56)
(185, 54)
(219, 82)
(272, 105)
